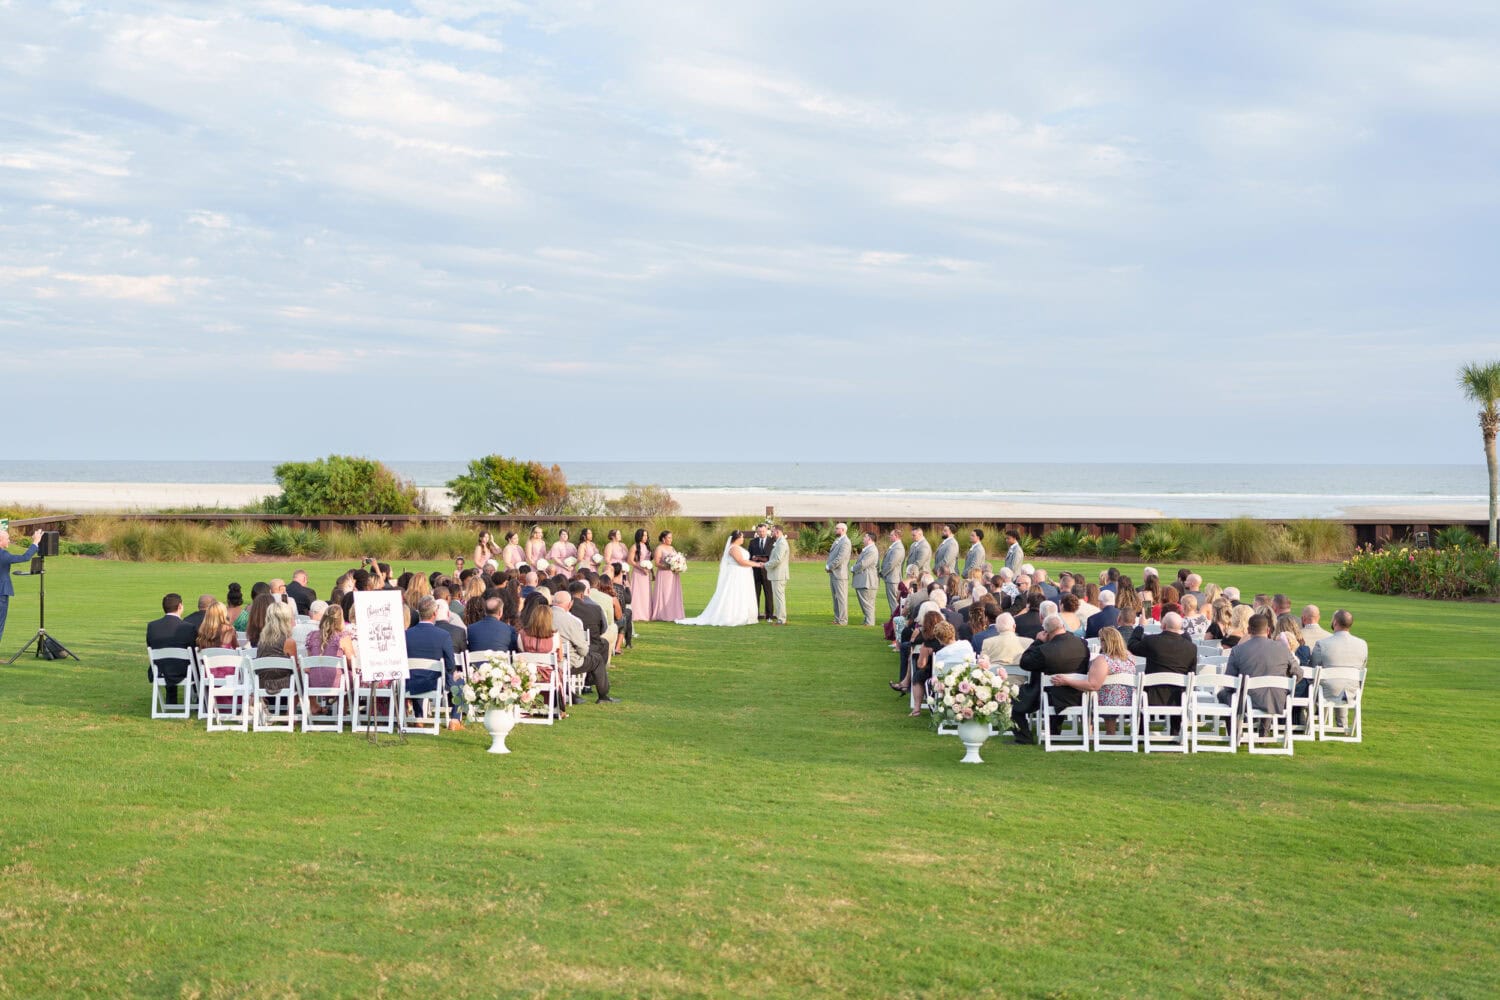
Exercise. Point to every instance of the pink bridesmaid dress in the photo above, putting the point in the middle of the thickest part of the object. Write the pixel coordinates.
(666, 602)
(512, 557)
(586, 553)
(615, 552)
(536, 551)
(640, 584)
(559, 552)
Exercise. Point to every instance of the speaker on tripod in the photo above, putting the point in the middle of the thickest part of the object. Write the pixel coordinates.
(47, 647)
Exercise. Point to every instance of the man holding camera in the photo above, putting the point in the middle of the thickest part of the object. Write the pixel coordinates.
(8, 559)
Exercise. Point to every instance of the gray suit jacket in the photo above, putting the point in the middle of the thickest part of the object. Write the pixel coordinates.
(946, 558)
(1341, 649)
(866, 572)
(1258, 656)
(778, 563)
(571, 630)
(891, 563)
(920, 555)
(1014, 558)
(975, 559)
(837, 565)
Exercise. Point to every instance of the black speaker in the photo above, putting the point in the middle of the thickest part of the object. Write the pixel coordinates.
(48, 545)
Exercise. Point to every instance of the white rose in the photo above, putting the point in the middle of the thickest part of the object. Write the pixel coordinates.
(990, 708)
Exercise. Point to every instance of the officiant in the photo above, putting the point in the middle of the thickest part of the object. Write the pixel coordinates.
(760, 552)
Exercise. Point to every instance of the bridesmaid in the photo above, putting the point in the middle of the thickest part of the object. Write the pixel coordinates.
(485, 550)
(536, 547)
(614, 549)
(512, 555)
(587, 550)
(640, 577)
(561, 551)
(666, 603)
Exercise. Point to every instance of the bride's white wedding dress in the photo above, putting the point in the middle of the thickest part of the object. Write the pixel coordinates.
(733, 602)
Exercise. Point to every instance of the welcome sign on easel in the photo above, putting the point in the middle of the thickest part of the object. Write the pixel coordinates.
(380, 628)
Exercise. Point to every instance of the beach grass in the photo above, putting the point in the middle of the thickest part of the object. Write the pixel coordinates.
(755, 818)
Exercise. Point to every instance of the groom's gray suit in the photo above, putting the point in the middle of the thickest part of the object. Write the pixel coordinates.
(866, 578)
(890, 572)
(837, 568)
(778, 571)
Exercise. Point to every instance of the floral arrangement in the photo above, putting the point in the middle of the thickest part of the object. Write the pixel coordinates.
(969, 691)
(570, 562)
(1444, 574)
(542, 564)
(676, 562)
(496, 682)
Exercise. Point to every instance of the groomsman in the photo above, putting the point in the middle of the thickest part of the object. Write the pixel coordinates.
(778, 571)
(947, 552)
(760, 551)
(837, 568)
(976, 558)
(866, 578)
(920, 555)
(890, 569)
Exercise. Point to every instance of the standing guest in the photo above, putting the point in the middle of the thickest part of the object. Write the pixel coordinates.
(1258, 655)
(588, 552)
(1341, 649)
(976, 558)
(216, 631)
(1058, 651)
(1311, 630)
(891, 569)
(1015, 557)
(1113, 658)
(512, 556)
(1104, 618)
(562, 550)
(7, 560)
(945, 560)
(1167, 652)
(485, 549)
(837, 568)
(778, 571)
(301, 594)
(867, 578)
(640, 577)
(167, 632)
(234, 606)
(536, 547)
(920, 555)
(666, 602)
(759, 550)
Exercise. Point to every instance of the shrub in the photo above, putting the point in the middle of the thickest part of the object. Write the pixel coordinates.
(1440, 574)
(1456, 536)
(92, 528)
(342, 484)
(372, 539)
(1030, 546)
(280, 540)
(1064, 542)
(1245, 540)
(1321, 541)
(1156, 543)
(1108, 545)
(495, 484)
(69, 547)
(644, 501)
(815, 539)
(436, 541)
(242, 536)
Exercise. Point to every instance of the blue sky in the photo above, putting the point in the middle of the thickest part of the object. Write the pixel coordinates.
(842, 231)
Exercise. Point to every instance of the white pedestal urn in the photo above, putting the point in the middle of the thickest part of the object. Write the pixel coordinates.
(499, 721)
(972, 735)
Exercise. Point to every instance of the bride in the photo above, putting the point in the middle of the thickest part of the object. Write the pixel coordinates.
(733, 602)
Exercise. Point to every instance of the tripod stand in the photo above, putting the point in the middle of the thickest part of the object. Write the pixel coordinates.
(41, 640)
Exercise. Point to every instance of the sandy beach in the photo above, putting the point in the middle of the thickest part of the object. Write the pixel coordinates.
(90, 497)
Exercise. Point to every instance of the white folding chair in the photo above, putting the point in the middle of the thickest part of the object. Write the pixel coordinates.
(435, 701)
(226, 690)
(1074, 732)
(1350, 701)
(1307, 704)
(1205, 709)
(1278, 724)
(1093, 646)
(1174, 710)
(368, 699)
(278, 711)
(186, 688)
(242, 640)
(324, 677)
(1127, 718)
(1212, 664)
(556, 688)
(1208, 648)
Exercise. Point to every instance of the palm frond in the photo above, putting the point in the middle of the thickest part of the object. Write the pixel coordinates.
(1481, 382)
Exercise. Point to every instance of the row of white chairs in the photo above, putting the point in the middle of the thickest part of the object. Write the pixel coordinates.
(227, 690)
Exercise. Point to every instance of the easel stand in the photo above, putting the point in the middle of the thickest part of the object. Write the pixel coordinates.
(371, 700)
(39, 640)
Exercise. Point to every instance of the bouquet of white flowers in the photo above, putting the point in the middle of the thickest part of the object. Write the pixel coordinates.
(677, 562)
(598, 559)
(542, 564)
(968, 691)
(570, 562)
(496, 682)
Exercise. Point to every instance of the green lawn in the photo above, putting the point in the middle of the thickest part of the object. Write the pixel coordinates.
(756, 818)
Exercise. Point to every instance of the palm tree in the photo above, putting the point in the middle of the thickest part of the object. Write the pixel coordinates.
(1481, 383)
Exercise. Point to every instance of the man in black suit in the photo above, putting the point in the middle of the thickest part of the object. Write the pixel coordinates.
(205, 601)
(760, 550)
(1168, 652)
(170, 632)
(1058, 652)
(1029, 622)
(301, 594)
(443, 619)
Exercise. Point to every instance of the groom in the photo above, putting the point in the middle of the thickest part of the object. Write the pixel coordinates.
(760, 552)
(778, 571)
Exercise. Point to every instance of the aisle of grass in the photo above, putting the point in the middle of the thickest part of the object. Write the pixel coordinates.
(755, 818)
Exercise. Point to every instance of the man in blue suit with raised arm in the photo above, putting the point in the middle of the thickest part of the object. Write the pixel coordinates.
(8, 559)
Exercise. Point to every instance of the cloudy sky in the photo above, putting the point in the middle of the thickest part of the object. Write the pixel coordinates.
(629, 230)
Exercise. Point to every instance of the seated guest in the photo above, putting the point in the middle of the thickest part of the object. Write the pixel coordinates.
(1258, 655)
(951, 649)
(1239, 625)
(1067, 610)
(980, 628)
(1280, 605)
(921, 643)
(1233, 594)
(581, 624)
(1005, 647)
(205, 601)
(1168, 602)
(279, 594)
(1113, 658)
(275, 640)
(412, 591)
(301, 594)
(1167, 652)
(171, 632)
(1192, 586)
(316, 610)
(1150, 588)
(1341, 649)
(1029, 621)
(1049, 591)
(1220, 619)
(1194, 625)
(1106, 616)
(332, 637)
(234, 606)
(216, 631)
(490, 632)
(1058, 651)
(425, 641)
(1088, 604)
(1289, 630)
(256, 619)
(443, 620)
(1126, 598)
(1313, 632)
(1211, 592)
(1109, 580)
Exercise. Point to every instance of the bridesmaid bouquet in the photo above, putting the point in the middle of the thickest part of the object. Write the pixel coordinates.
(570, 562)
(598, 559)
(496, 682)
(676, 562)
(542, 564)
(968, 692)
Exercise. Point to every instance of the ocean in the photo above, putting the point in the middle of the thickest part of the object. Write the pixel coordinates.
(1178, 490)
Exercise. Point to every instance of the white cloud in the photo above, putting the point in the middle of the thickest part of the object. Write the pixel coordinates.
(384, 25)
